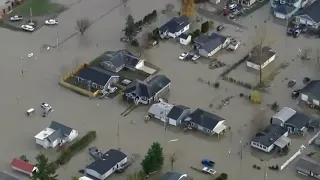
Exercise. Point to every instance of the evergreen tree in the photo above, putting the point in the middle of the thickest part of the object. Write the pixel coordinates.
(154, 159)
(45, 171)
(130, 28)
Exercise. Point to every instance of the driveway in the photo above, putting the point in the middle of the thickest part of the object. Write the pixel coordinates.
(215, 17)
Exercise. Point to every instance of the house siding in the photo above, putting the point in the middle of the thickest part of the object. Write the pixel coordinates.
(202, 129)
(262, 147)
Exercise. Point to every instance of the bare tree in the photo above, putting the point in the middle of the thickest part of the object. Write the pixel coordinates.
(257, 121)
(260, 41)
(169, 7)
(173, 158)
(82, 25)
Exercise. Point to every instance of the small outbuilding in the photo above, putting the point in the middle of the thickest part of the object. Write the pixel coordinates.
(184, 39)
(266, 57)
(22, 166)
(311, 93)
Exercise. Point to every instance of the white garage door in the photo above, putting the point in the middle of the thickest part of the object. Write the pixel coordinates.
(279, 15)
(305, 21)
(304, 97)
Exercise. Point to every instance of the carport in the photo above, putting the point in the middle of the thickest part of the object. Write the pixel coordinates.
(282, 142)
(219, 129)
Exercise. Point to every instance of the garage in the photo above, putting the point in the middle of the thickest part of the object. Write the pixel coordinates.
(283, 11)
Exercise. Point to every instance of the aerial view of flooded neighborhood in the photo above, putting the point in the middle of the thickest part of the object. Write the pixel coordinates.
(160, 90)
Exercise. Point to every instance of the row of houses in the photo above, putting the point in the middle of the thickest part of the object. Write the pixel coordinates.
(302, 12)
(179, 115)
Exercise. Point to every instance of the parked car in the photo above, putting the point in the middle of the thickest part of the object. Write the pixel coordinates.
(232, 6)
(291, 83)
(16, 18)
(306, 80)
(232, 17)
(296, 33)
(220, 27)
(295, 94)
(27, 28)
(195, 57)
(226, 12)
(207, 162)
(46, 106)
(237, 13)
(208, 171)
(290, 31)
(183, 56)
(51, 22)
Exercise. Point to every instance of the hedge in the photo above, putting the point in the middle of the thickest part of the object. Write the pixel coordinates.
(76, 147)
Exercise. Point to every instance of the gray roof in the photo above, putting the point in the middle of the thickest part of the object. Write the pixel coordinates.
(122, 58)
(299, 120)
(269, 135)
(209, 43)
(309, 164)
(60, 131)
(148, 89)
(176, 111)
(284, 114)
(266, 54)
(160, 109)
(312, 89)
(312, 11)
(96, 75)
(284, 9)
(184, 36)
(107, 161)
(204, 119)
(175, 24)
(172, 176)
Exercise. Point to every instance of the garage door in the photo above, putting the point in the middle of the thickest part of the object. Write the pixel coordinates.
(279, 15)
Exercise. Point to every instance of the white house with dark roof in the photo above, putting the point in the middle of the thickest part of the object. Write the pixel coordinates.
(284, 9)
(103, 167)
(175, 27)
(209, 45)
(295, 122)
(273, 135)
(310, 15)
(206, 122)
(141, 92)
(266, 57)
(96, 78)
(169, 113)
(308, 166)
(55, 134)
(185, 39)
(311, 93)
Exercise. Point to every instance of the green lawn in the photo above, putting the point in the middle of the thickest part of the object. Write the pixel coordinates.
(38, 8)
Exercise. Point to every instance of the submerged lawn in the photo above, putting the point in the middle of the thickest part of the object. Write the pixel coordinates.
(38, 8)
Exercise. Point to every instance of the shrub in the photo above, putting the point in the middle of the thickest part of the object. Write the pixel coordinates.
(76, 147)
(254, 166)
(135, 43)
(216, 84)
(224, 175)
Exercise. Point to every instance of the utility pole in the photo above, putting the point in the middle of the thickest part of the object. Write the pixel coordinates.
(118, 137)
(265, 170)
(30, 14)
(241, 149)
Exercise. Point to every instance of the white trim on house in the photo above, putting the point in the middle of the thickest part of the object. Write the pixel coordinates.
(185, 41)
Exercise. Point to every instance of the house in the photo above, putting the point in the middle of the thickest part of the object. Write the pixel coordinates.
(284, 9)
(209, 45)
(22, 166)
(7, 5)
(106, 165)
(266, 57)
(168, 113)
(310, 15)
(206, 122)
(55, 134)
(178, 114)
(247, 3)
(147, 92)
(175, 27)
(123, 59)
(311, 93)
(273, 135)
(96, 78)
(295, 122)
(174, 176)
(184, 39)
(308, 166)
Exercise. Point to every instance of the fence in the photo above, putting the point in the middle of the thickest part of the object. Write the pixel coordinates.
(290, 159)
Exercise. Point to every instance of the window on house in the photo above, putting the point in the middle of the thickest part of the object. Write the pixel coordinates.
(208, 131)
(192, 124)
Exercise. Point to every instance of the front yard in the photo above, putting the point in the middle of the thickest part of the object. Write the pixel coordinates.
(37, 8)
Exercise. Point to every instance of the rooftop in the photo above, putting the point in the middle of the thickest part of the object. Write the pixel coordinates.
(107, 161)
(176, 111)
(210, 43)
(160, 109)
(309, 164)
(312, 11)
(122, 58)
(204, 119)
(22, 165)
(312, 89)
(284, 114)
(175, 24)
(269, 135)
(266, 54)
(284, 9)
(96, 75)
(44, 133)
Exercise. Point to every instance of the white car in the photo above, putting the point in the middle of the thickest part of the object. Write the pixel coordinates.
(232, 6)
(209, 171)
(183, 56)
(46, 106)
(51, 22)
(27, 28)
(195, 57)
(16, 18)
